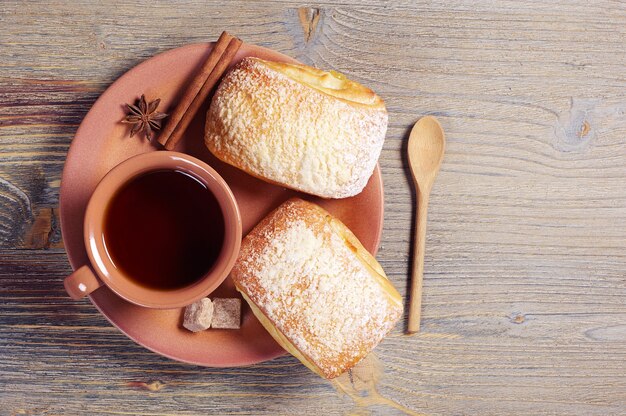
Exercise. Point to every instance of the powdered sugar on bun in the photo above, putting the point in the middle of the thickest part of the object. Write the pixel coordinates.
(315, 288)
(297, 126)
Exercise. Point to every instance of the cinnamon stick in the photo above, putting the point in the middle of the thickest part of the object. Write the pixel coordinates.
(199, 89)
(194, 87)
(212, 80)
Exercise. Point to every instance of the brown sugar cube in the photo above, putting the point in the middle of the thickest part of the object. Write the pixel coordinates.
(198, 315)
(226, 313)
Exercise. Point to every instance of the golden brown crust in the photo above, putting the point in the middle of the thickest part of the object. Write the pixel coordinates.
(331, 83)
(297, 126)
(315, 288)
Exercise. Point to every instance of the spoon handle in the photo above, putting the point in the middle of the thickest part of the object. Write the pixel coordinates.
(417, 275)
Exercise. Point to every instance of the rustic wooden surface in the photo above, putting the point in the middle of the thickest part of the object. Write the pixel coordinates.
(525, 285)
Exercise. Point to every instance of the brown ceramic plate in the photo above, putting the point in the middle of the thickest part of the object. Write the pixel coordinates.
(102, 142)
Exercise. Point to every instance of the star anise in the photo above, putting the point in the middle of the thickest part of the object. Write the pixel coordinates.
(144, 117)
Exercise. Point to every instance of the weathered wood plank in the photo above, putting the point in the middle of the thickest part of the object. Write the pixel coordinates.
(515, 354)
(525, 286)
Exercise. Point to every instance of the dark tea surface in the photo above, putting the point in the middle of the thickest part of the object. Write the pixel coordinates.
(164, 229)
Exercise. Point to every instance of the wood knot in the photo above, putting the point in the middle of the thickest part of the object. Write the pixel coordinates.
(44, 232)
(309, 18)
(517, 318)
(584, 129)
(151, 386)
(574, 128)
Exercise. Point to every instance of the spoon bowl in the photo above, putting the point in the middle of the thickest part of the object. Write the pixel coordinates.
(427, 144)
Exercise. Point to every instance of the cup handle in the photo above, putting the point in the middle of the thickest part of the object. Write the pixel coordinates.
(81, 283)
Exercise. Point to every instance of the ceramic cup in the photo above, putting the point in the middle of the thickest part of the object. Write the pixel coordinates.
(101, 269)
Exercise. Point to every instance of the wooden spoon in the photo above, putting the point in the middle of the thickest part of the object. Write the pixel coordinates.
(427, 144)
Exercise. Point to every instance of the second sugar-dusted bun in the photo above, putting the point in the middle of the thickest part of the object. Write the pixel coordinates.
(297, 126)
(315, 288)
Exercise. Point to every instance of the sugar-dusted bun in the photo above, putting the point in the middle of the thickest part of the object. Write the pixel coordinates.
(297, 126)
(315, 288)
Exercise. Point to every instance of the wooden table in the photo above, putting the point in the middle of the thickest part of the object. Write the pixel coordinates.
(525, 286)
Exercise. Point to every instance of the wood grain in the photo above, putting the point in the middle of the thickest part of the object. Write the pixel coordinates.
(525, 275)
